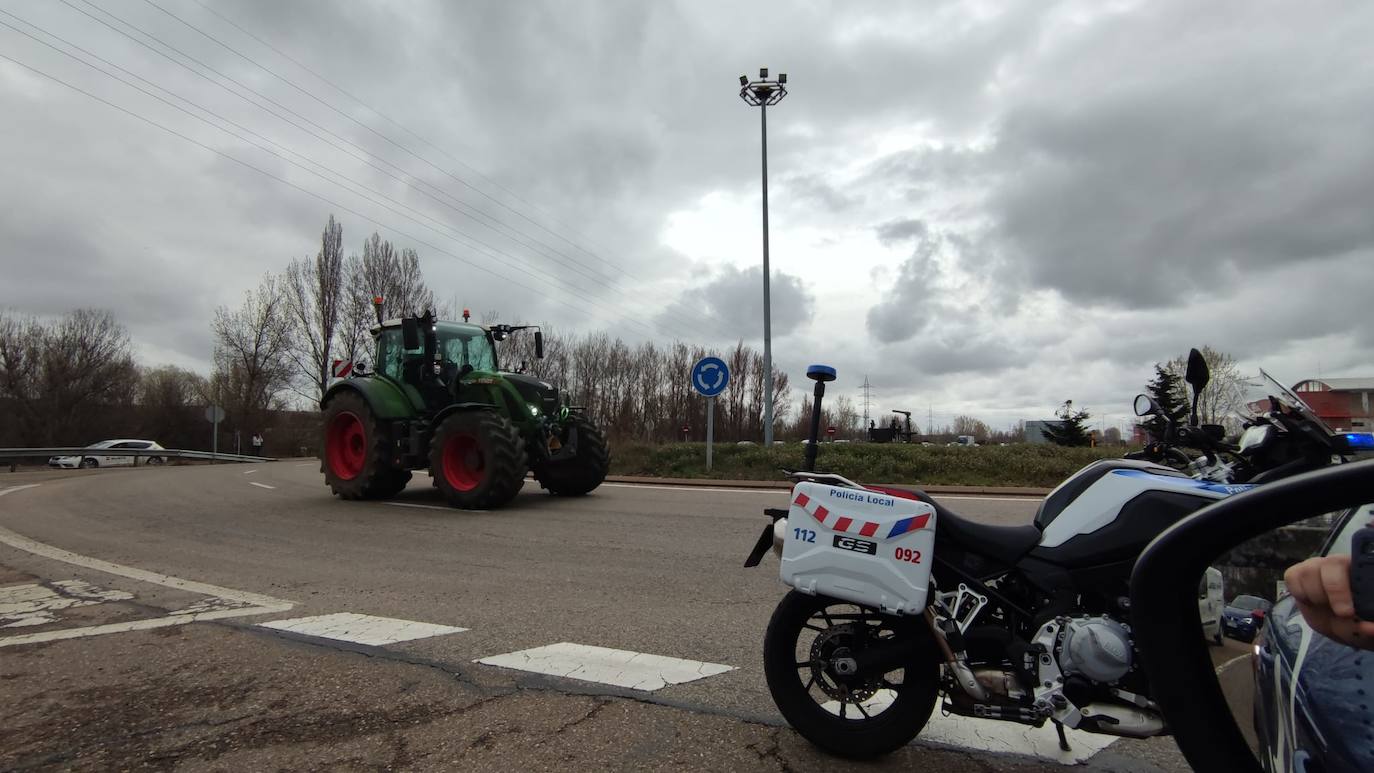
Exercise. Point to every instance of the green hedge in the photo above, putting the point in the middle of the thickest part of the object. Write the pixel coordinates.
(1012, 465)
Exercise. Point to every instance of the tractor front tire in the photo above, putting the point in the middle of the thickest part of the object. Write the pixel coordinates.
(579, 475)
(477, 460)
(354, 458)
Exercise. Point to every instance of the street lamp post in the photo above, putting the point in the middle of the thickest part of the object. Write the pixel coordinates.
(762, 93)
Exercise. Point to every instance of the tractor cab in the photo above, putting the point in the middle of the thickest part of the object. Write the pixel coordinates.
(428, 369)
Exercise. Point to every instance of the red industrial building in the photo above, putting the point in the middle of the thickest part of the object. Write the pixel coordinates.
(1343, 403)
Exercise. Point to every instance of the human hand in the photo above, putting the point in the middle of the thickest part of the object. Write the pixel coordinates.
(1321, 588)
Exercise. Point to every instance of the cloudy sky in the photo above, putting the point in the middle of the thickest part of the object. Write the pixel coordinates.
(986, 208)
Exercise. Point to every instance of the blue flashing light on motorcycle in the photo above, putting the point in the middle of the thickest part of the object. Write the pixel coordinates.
(1360, 441)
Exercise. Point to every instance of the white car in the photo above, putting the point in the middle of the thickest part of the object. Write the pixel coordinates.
(96, 459)
(1210, 602)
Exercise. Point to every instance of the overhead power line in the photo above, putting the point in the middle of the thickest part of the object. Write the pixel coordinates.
(380, 114)
(284, 181)
(389, 140)
(461, 235)
(668, 313)
(347, 147)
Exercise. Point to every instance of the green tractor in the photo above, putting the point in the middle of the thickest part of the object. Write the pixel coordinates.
(437, 399)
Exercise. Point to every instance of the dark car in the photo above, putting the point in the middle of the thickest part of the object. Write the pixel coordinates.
(1244, 616)
(1306, 685)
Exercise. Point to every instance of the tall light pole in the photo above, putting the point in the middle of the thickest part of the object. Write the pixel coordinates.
(762, 93)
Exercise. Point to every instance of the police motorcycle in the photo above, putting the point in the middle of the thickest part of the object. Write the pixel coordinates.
(899, 606)
(1281, 437)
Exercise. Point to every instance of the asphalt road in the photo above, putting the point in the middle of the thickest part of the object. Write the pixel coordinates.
(652, 570)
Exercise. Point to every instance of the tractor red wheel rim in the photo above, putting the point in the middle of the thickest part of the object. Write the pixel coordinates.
(464, 463)
(345, 446)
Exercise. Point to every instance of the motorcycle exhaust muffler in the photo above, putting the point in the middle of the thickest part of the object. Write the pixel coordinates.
(1126, 721)
(963, 675)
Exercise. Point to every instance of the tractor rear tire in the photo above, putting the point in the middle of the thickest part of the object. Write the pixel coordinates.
(477, 460)
(581, 474)
(354, 456)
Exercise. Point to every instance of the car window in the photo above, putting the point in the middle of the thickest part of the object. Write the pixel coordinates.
(1340, 546)
(123, 445)
(1249, 602)
(139, 444)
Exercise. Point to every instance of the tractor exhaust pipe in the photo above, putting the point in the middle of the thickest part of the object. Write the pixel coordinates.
(377, 306)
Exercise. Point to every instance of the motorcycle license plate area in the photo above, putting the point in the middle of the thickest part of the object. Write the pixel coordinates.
(859, 546)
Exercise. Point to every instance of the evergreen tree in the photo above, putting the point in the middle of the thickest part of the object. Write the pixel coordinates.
(1167, 389)
(1072, 428)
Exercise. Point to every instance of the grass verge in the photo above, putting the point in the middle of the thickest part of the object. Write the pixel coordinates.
(1013, 465)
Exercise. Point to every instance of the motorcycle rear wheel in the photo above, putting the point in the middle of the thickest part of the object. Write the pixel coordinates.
(852, 717)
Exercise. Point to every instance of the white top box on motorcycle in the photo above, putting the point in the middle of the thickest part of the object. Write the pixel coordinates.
(861, 546)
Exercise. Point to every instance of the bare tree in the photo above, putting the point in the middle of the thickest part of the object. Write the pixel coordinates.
(313, 299)
(846, 417)
(1224, 395)
(380, 271)
(252, 367)
(967, 425)
(169, 402)
(60, 377)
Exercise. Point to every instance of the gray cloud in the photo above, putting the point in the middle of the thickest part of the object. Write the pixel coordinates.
(895, 231)
(732, 301)
(1083, 189)
(1182, 157)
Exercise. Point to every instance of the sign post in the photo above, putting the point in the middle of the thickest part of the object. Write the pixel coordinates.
(710, 376)
(214, 414)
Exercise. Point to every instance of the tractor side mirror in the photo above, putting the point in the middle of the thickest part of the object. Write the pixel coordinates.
(410, 333)
(539, 344)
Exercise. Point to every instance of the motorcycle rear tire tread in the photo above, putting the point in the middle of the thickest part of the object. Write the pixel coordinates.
(886, 732)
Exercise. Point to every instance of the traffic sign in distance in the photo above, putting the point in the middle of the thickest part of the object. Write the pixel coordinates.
(829, 430)
(214, 414)
(710, 376)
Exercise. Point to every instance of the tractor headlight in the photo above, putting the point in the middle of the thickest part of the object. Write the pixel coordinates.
(534, 409)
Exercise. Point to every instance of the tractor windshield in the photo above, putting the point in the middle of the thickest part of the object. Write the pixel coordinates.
(467, 346)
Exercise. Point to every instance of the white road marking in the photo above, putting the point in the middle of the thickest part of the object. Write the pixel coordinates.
(261, 485)
(433, 507)
(308, 464)
(622, 668)
(246, 603)
(1221, 669)
(249, 472)
(28, 605)
(136, 625)
(781, 491)
(361, 629)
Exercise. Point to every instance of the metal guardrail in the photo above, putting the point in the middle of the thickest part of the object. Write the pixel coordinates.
(14, 454)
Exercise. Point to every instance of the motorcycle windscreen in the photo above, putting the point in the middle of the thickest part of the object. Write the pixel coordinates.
(859, 546)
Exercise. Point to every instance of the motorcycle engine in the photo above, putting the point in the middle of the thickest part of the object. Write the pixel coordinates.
(1098, 648)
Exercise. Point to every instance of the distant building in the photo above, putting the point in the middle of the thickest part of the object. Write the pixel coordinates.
(1035, 430)
(1343, 403)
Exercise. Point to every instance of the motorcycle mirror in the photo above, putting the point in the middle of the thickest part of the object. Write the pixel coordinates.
(1146, 406)
(539, 344)
(410, 333)
(1197, 375)
(1229, 703)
